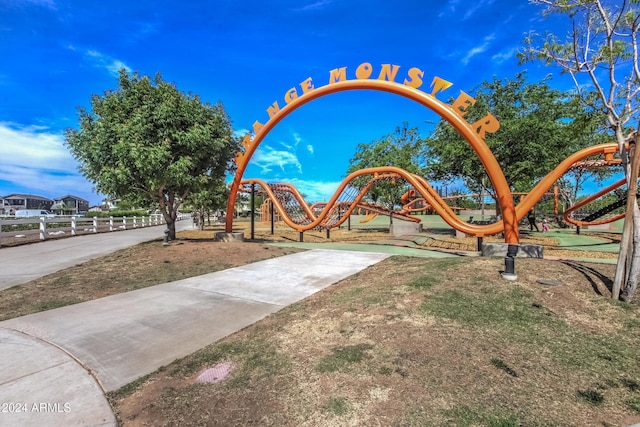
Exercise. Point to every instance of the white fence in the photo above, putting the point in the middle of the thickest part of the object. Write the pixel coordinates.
(34, 229)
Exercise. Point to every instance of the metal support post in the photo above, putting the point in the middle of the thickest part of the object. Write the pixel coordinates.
(253, 219)
(271, 214)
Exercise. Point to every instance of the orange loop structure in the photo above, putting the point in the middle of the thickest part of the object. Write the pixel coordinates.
(473, 133)
(326, 218)
(586, 201)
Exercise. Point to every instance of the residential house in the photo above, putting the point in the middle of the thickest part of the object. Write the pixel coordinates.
(14, 202)
(110, 204)
(70, 205)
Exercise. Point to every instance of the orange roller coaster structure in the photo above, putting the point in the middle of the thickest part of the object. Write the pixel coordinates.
(411, 204)
(581, 223)
(334, 212)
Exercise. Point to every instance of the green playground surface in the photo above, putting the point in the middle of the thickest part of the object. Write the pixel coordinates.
(433, 225)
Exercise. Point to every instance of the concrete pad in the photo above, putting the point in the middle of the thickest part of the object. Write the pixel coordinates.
(524, 250)
(229, 237)
(400, 228)
(125, 336)
(303, 274)
(41, 385)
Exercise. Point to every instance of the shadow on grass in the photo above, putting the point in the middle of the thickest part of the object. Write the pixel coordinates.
(592, 275)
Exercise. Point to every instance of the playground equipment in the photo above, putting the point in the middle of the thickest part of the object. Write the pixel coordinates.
(298, 215)
(368, 218)
(593, 218)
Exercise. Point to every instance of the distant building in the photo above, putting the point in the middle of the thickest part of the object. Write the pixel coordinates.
(14, 202)
(70, 205)
(110, 204)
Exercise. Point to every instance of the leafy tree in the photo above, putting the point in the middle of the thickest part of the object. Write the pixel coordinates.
(210, 198)
(539, 127)
(148, 143)
(401, 149)
(600, 54)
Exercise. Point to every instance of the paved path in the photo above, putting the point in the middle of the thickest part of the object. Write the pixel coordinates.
(20, 264)
(375, 248)
(56, 365)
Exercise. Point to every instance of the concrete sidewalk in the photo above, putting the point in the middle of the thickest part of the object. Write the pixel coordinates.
(56, 364)
(20, 264)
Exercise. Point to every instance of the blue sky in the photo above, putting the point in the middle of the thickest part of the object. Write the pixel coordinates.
(246, 54)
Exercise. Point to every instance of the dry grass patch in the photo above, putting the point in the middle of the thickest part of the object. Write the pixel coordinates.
(415, 342)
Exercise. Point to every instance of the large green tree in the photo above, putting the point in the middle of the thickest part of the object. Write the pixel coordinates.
(401, 149)
(150, 143)
(600, 54)
(539, 127)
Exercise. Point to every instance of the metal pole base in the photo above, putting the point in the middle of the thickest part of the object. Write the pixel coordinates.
(509, 272)
(507, 276)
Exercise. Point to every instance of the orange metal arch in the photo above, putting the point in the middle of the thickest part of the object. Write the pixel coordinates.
(453, 117)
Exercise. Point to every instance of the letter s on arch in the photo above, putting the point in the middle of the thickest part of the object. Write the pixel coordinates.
(415, 78)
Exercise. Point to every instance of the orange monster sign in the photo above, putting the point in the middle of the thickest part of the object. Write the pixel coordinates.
(387, 78)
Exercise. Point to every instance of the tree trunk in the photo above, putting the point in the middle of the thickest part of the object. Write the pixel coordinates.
(201, 219)
(168, 211)
(628, 267)
(631, 284)
(171, 226)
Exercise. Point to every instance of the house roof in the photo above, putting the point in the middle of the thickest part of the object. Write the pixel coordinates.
(26, 196)
(70, 196)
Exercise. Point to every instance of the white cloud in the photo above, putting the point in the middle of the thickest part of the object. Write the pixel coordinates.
(505, 55)
(310, 148)
(35, 159)
(240, 133)
(313, 6)
(267, 158)
(100, 60)
(50, 4)
(315, 191)
(478, 49)
(476, 5)
(449, 8)
(33, 147)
